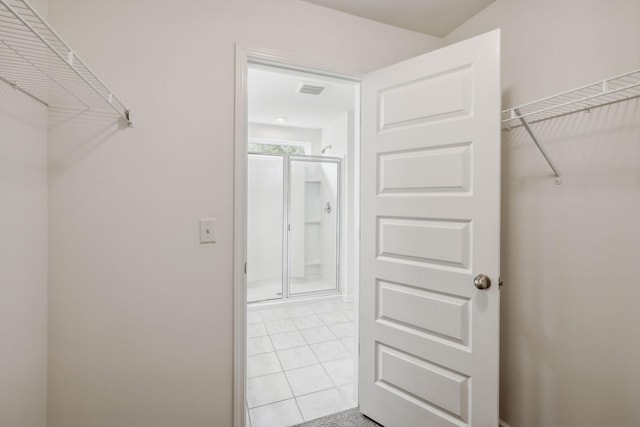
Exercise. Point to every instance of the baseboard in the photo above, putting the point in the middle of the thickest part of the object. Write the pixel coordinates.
(503, 424)
(352, 298)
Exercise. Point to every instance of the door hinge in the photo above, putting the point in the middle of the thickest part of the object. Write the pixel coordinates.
(245, 268)
(500, 284)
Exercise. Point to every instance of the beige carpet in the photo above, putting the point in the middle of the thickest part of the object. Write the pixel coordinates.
(349, 418)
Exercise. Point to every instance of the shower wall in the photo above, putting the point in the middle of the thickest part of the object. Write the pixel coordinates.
(340, 134)
(307, 223)
(299, 242)
(329, 221)
(264, 218)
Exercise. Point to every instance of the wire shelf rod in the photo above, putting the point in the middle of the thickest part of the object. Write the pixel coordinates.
(571, 102)
(55, 51)
(54, 81)
(33, 56)
(607, 91)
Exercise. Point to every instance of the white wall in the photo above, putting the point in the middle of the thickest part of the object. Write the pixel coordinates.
(23, 258)
(336, 134)
(141, 314)
(570, 348)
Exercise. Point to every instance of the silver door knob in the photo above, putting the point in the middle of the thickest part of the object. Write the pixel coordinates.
(482, 281)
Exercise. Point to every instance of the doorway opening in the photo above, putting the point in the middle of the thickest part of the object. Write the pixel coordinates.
(301, 219)
(430, 246)
(293, 224)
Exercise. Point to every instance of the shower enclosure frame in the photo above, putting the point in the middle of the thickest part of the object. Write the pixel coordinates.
(287, 159)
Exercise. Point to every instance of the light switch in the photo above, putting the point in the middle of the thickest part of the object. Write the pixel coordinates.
(207, 230)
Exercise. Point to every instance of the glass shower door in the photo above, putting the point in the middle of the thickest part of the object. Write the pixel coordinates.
(314, 194)
(265, 219)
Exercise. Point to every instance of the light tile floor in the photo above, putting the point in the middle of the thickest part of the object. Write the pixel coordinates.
(300, 362)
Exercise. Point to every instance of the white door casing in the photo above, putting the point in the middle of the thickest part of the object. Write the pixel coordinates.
(430, 222)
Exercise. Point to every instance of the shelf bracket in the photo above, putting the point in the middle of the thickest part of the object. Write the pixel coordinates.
(558, 179)
(127, 117)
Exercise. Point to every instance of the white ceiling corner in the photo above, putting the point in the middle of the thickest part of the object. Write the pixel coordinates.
(434, 17)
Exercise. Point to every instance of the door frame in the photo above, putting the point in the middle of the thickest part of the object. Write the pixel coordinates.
(243, 56)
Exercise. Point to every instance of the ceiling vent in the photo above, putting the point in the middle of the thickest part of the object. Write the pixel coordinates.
(311, 88)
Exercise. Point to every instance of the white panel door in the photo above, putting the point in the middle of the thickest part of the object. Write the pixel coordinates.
(430, 223)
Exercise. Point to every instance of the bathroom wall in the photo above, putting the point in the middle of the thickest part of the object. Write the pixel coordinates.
(336, 134)
(23, 257)
(140, 318)
(570, 347)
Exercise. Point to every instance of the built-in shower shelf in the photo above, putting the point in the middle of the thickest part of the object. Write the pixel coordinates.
(313, 221)
(37, 62)
(313, 181)
(312, 262)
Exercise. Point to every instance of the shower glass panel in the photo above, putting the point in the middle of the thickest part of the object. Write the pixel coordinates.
(265, 219)
(313, 225)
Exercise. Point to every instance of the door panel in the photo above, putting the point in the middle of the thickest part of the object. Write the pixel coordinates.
(423, 383)
(424, 241)
(423, 312)
(430, 223)
(404, 105)
(426, 170)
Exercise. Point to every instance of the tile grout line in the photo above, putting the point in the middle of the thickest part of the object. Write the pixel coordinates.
(299, 331)
(321, 363)
(315, 355)
(291, 398)
(288, 384)
(301, 367)
(293, 395)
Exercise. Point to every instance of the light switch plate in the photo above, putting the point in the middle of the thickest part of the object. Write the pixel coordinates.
(207, 230)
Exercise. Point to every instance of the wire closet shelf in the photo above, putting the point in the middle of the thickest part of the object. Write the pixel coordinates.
(37, 62)
(598, 94)
(605, 92)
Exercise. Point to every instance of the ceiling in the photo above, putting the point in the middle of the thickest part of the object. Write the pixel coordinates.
(435, 17)
(272, 94)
